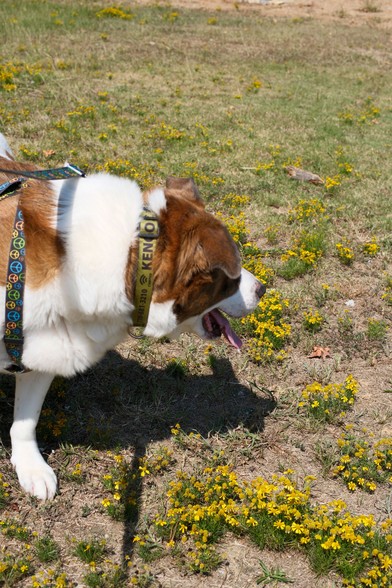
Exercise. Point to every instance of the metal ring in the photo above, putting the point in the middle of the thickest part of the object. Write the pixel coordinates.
(133, 334)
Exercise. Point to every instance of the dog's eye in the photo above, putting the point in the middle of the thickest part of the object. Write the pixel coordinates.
(232, 285)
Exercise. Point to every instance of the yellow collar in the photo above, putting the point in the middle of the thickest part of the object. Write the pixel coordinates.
(148, 235)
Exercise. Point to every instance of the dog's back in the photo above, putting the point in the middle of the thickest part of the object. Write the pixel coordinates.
(37, 201)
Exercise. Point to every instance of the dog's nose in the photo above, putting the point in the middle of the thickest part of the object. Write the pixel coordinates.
(260, 289)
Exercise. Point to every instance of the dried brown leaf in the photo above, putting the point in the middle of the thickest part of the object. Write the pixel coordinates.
(320, 352)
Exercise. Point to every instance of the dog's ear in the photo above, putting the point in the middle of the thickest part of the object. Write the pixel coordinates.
(209, 249)
(220, 251)
(184, 187)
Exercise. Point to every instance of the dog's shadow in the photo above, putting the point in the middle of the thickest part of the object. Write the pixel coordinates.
(119, 404)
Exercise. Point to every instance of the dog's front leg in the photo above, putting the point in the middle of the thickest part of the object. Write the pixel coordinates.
(35, 476)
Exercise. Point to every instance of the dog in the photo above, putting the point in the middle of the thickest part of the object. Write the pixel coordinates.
(82, 243)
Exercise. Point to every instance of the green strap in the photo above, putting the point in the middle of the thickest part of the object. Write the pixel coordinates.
(148, 234)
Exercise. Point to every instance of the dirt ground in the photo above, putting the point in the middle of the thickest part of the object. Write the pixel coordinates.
(376, 12)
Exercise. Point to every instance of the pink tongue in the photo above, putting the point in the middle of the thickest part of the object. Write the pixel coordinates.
(226, 329)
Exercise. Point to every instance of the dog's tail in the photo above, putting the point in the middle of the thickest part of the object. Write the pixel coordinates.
(5, 149)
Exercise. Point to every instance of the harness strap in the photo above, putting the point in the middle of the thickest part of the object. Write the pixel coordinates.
(16, 270)
(16, 275)
(9, 188)
(58, 173)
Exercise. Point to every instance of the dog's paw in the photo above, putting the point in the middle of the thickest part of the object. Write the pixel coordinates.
(34, 474)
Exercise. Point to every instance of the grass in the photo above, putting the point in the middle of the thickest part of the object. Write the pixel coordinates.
(46, 549)
(186, 455)
(272, 575)
(369, 6)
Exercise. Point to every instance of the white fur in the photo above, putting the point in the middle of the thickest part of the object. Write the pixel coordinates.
(157, 200)
(245, 299)
(34, 474)
(5, 150)
(161, 319)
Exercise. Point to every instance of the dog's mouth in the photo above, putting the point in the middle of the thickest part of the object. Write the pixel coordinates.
(215, 325)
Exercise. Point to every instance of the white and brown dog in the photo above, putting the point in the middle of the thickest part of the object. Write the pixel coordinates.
(81, 259)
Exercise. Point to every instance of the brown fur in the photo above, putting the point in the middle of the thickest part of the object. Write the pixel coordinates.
(44, 247)
(196, 263)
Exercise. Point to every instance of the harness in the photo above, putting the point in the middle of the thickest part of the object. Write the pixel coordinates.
(16, 270)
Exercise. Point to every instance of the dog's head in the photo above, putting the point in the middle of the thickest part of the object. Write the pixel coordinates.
(197, 269)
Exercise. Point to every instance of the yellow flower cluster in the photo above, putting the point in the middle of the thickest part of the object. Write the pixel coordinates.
(332, 182)
(77, 473)
(371, 248)
(51, 579)
(267, 328)
(276, 163)
(200, 508)
(264, 166)
(123, 481)
(143, 174)
(162, 130)
(387, 295)
(12, 567)
(305, 252)
(254, 86)
(368, 113)
(383, 455)
(325, 403)
(234, 201)
(170, 16)
(119, 482)
(192, 441)
(8, 71)
(190, 168)
(345, 253)
(361, 465)
(28, 153)
(114, 12)
(236, 225)
(156, 463)
(346, 169)
(11, 528)
(274, 514)
(4, 494)
(313, 320)
(82, 111)
(306, 210)
(257, 267)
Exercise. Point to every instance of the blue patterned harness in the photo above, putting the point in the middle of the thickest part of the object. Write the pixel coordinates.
(16, 269)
